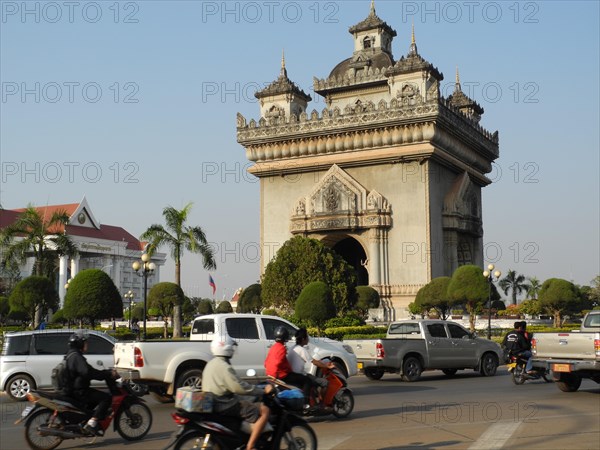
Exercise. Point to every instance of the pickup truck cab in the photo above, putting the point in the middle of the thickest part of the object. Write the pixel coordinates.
(571, 356)
(412, 346)
(172, 364)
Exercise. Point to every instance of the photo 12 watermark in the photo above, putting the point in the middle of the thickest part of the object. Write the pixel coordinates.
(471, 12)
(69, 92)
(70, 12)
(439, 413)
(494, 92)
(270, 12)
(54, 172)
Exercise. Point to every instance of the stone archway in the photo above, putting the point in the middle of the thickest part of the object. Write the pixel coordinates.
(354, 254)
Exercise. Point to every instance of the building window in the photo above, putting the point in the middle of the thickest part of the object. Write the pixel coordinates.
(464, 253)
(367, 43)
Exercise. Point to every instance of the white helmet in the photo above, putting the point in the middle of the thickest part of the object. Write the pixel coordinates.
(223, 346)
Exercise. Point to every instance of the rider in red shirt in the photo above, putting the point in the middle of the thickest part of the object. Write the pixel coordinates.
(277, 364)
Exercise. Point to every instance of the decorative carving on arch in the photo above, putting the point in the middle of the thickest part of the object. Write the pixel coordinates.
(462, 208)
(337, 202)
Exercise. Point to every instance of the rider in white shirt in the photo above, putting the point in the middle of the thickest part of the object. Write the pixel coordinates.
(302, 361)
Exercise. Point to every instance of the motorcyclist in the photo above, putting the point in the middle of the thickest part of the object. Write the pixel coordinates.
(301, 361)
(517, 344)
(277, 364)
(220, 378)
(80, 373)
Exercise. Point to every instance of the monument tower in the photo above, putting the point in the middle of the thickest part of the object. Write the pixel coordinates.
(388, 174)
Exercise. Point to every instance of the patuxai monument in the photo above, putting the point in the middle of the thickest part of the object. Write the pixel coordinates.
(388, 174)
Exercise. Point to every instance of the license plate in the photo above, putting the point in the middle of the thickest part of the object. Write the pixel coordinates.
(359, 365)
(26, 411)
(561, 367)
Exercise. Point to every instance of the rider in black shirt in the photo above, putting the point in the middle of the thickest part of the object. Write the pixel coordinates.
(518, 344)
(80, 373)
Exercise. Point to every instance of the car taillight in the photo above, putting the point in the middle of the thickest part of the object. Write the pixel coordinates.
(179, 420)
(597, 347)
(533, 346)
(138, 358)
(380, 350)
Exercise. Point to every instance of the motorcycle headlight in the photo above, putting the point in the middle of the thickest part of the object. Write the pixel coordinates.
(348, 348)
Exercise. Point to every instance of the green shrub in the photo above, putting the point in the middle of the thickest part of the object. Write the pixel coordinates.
(315, 304)
(350, 320)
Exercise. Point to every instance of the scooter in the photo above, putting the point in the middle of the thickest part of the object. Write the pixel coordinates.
(216, 431)
(516, 366)
(337, 398)
(53, 417)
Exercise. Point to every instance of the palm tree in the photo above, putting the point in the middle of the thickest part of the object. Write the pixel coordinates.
(179, 237)
(513, 282)
(45, 238)
(533, 288)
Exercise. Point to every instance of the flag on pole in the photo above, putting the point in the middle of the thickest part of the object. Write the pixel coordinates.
(211, 283)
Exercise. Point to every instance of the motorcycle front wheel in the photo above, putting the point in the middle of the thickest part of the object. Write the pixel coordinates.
(195, 440)
(33, 437)
(343, 403)
(300, 437)
(133, 422)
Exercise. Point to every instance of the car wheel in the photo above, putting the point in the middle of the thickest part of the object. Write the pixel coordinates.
(191, 378)
(411, 369)
(374, 373)
(569, 382)
(489, 365)
(19, 386)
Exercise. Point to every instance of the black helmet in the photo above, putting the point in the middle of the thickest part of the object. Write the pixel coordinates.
(282, 334)
(77, 340)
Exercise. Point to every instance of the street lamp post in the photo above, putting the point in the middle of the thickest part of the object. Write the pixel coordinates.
(144, 269)
(129, 296)
(491, 277)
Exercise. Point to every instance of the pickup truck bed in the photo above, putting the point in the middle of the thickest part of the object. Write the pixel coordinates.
(571, 356)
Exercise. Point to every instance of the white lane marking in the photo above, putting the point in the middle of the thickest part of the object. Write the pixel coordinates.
(495, 436)
(331, 442)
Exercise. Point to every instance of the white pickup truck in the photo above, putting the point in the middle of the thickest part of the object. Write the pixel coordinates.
(167, 365)
(570, 356)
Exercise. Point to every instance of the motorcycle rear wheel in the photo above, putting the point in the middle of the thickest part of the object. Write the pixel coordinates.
(32, 435)
(195, 440)
(134, 421)
(300, 437)
(518, 375)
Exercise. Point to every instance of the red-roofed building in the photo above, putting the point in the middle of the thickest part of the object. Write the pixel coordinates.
(106, 247)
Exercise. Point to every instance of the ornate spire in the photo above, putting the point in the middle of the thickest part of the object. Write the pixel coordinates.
(282, 85)
(413, 43)
(457, 84)
(465, 104)
(283, 73)
(372, 22)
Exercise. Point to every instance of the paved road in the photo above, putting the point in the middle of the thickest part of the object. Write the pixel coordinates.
(467, 412)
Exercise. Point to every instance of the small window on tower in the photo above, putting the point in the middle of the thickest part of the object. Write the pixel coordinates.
(367, 43)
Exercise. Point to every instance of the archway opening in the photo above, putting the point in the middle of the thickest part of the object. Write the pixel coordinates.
(354, 254)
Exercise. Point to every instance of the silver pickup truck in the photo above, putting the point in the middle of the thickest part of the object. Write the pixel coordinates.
(570, 356)
(412, 346)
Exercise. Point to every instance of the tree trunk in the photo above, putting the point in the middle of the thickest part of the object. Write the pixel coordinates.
(177, 326)
(166, 330)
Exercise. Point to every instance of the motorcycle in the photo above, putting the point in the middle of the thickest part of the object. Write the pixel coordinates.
(53, 417)
(337, 398)
(516, 366)
(218, 432)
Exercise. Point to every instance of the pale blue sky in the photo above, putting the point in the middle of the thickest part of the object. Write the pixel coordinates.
(133, 104)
